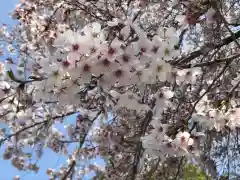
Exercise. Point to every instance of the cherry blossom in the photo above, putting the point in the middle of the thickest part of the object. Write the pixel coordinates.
(150, 87)
(183, 140)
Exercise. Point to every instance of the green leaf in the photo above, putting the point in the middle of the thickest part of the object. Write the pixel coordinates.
(193, 172)
(12, 76)
(29, 155)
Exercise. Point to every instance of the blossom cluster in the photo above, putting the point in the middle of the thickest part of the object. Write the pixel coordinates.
(143, 90)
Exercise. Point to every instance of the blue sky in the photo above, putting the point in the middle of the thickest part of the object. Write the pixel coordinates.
(6, 169)
(49, 159)
(6, 7)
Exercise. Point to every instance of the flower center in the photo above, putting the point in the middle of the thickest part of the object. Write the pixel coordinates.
(169, 145)
(86, 68)
(139, 74)
(160, 129)
(155, 49)
(95, 35)
(93, 50)
(55, 73)
(118, 73)
(6, 90)
(125, 58)
(106, 62)
(66, 63)
(159, 68)
(75, 47)
(143, 50)
(160, 95)
(111, 51)
(166, 51)
(183, 140)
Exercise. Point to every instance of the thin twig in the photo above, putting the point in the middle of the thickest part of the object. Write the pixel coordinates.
(210, 63)
(201, 51)
(69, 170)
(179, 167)
(214, 4)
(81, 142)
(33, 125)
(138, 154)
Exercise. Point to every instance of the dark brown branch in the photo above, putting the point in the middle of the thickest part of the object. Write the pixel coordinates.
(33, 125)
(210, 63)
(204, 50)
(63, 115)
(128, 3)
(234, 24)
(85, 9)
(138, 154)
(69, 170)
(52, 16)
(179, 167)
(214, 4)
(1, 100)
(4, 114)
(136, 15)
(23, 129)
(181, 38)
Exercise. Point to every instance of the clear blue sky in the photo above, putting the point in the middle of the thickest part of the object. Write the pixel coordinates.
(6, 7)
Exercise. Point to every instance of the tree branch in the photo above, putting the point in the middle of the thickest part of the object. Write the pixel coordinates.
(33, 125)
(214, 4)
(210, 63)
(138, 154)
(81, 142)
(69, 170)
(179, 167)
(181, 36)
(211, 47)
